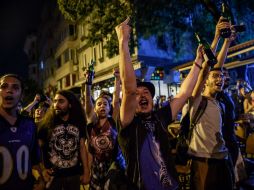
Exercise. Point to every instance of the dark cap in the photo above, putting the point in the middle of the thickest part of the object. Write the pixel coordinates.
(148, 85)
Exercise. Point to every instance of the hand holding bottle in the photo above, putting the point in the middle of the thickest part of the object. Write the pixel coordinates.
(89, 73)
(212, 60)
(226, 17)
(221, 25)
(199, 55)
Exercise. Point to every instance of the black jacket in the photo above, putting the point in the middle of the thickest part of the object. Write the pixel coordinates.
(131, 140)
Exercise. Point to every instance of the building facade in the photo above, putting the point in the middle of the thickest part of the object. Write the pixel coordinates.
(64, 54)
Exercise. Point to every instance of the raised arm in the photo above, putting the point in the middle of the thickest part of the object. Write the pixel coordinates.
(205, 70)
(89, 107)
(220, 25)
(224, 50)
(116, 94)
(127, 75)
(30, 106)
(201, 80)
(187, 86)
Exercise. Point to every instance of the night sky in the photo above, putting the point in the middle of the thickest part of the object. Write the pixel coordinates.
(18, 18)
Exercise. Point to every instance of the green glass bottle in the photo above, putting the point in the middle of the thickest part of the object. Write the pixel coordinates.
(91, 66)
(90, 72)
(211, 57)
(225, 13)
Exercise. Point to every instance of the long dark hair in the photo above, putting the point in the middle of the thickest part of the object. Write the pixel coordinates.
(76, 112)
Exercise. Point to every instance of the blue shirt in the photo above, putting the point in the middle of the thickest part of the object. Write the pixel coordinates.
(18, 151)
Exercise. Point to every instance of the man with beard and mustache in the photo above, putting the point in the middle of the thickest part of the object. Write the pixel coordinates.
(213, 143)
(143, 134)
(62, 137)
(19, 150)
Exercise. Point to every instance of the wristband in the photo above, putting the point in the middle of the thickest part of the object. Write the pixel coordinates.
(197, 65)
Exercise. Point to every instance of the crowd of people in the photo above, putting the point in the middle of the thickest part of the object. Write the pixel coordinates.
(123, 143)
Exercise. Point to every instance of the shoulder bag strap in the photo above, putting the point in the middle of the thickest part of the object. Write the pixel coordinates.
(198, 114)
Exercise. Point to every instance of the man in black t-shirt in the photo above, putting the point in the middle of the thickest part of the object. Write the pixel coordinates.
(61, 136)
(143, 135)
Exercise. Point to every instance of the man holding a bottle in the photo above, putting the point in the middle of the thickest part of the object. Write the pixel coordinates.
(211, 162)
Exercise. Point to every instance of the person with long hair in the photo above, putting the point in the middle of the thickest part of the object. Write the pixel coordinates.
(62, 137)
(103, 148)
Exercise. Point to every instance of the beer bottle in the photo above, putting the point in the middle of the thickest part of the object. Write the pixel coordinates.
(225, 32)
(91, 66)
(90, 73)
(211, 57)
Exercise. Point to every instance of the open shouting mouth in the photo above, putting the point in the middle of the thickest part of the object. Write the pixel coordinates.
(143, 102)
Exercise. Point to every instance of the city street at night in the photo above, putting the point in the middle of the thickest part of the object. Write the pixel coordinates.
(127, 95)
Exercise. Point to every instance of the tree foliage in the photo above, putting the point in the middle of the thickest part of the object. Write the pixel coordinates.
(75, 9)
(151, 17)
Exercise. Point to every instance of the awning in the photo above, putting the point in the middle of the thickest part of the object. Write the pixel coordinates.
(232, 51)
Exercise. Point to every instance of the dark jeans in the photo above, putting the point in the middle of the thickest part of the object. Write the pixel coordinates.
(211, 174)
(65, 183)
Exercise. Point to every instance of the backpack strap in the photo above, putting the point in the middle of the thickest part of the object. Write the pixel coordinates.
(197, 116)
(185, 121)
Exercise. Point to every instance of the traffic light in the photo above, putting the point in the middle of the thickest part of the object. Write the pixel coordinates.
(158, 74)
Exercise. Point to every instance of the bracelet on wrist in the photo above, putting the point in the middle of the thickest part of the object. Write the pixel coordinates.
(195, 63)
